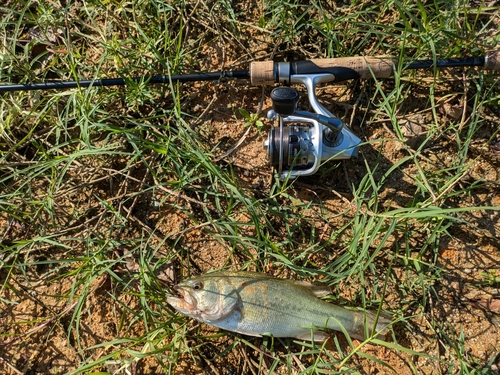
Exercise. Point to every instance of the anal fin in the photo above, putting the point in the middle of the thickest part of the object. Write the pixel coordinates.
(318, 336)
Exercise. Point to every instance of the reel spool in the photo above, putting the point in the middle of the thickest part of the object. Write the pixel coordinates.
(291, 147)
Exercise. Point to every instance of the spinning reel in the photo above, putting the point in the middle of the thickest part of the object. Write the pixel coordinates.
(304, 140)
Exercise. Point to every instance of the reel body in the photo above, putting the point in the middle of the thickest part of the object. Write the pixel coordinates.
(304, 140)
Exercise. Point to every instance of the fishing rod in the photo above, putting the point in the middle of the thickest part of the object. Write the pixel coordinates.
(269, 72)
(303, 140)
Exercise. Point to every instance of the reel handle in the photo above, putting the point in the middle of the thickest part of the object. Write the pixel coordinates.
(284, 100)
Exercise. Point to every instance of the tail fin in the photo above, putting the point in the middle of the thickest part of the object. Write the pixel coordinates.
(383, 323)
(359, 332)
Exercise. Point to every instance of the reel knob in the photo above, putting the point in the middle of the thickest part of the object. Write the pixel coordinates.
(284, 100)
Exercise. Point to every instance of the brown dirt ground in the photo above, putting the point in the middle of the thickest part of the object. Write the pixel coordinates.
(42, 345)
(39, 342)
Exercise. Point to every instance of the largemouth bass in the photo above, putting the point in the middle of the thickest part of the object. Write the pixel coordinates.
(256, 304)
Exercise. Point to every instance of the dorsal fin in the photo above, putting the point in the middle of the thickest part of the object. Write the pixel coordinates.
(317, 290)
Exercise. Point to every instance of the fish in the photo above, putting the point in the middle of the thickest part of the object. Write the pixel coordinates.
(256, 304)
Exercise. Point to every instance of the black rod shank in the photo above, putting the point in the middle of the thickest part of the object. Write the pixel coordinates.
(59, 85)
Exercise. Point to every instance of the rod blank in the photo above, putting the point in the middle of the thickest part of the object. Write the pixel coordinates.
(60, 85)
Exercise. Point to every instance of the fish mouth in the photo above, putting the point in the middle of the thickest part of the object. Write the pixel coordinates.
(183, 298)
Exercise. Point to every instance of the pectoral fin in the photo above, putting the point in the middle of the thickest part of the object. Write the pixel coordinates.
(228, 302)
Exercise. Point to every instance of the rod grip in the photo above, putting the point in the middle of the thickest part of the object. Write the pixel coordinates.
(344, 68)
(365, 67)
(266, 72)
(492, 61)
(262, 73)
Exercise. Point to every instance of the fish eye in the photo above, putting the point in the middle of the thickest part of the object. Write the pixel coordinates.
(198, 285)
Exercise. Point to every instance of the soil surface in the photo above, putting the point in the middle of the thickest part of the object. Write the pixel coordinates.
(465, 295)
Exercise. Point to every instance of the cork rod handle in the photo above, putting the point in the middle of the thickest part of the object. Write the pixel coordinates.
(366, 67)
(266, 72)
